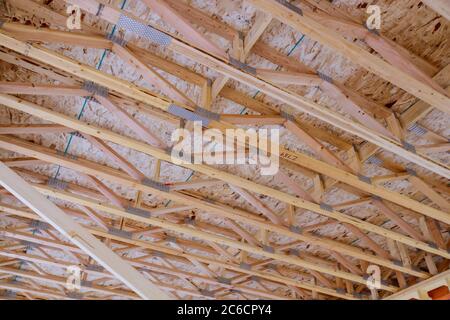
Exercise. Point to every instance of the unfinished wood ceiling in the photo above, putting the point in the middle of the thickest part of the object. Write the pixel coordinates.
(87, 116)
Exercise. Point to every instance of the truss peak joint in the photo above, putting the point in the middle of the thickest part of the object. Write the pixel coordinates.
(144, 31)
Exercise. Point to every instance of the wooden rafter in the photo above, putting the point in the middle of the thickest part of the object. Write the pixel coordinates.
(329, 276)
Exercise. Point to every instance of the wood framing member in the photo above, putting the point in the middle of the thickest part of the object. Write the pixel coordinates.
(169, 252)
(314, 164)
(221, 210)
(353, 104)
(298, 159)
(151, 76)
(278, 256)
(242, 46)
(112, 15)
(83, 239)
(312, 28)
(62, 281)
(420, 291)
(189, 33)
(145, 267)
(410, 116)
(392, 52)
(215, 236)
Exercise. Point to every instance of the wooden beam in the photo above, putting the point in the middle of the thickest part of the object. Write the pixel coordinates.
(115, 156)
(285, 96)
(18, 162)
(189, 33)
(128, 120)
(62, 281)
(419, 291)
(398, 220)
(132, 91)
(151, 76)
(224, 211)
(79, 236)
(257, 204)
(33, 129)
(174, 254)
(308, 26)
(242, 45)
(229, 178)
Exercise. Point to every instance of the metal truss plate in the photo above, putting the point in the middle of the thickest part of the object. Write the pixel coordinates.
(144, 31)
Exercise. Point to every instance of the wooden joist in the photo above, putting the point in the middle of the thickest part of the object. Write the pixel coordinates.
(291, 99)
(161, 154)
(307, 25)
(78, 235)
(223, 211)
